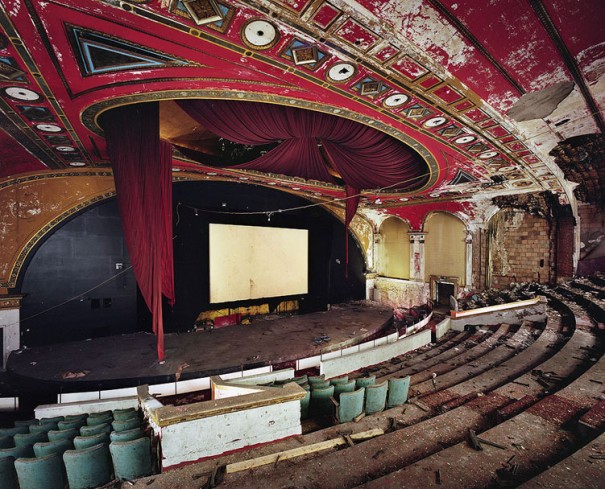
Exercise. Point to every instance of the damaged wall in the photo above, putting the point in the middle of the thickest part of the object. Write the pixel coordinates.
(592, 239)
(519, 248)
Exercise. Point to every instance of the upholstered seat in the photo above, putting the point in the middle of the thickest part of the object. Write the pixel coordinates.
(81, 442)
(128, 424)
(62, 434)
(58, 446)
(350, 405)
(365, 381)
(22, 439)
(398, 391)
(343, 387)
(376, 397)
(40, 472)
(88, 468)
(131, 459)
(126, 435)
(95, 429)
(320, 400)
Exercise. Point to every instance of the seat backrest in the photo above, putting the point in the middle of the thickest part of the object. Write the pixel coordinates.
(62, 434)
(365, 381)
(350, 405)
(320, 385)
(95, 429)
(54, 419)
(339, 380)
(58, 446)
(95, 420)
(320, 400)
(344, 387)
(312, 379)
(128, 424)
(42, 428)
(126, 435)
(304, 405)
(74, 417)
(22, 439)
(122, 414)
(131, 459)
(8, 475)
(16, 452)
(72, 423)
(14, 431)
(376, 397)
(46, 472)
(89, 467)
(81, 442)
(398, 391)
(25, 422)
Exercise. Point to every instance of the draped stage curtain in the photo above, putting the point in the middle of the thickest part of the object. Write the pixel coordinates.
(364, 157)
(142, 168)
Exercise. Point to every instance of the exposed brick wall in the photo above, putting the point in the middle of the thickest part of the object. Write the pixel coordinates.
(565, 248)
(520, 248)
(479, 258)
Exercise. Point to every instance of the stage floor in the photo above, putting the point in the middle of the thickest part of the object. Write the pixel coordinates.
(127, 360)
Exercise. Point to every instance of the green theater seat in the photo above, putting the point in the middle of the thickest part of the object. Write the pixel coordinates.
(131, 459)
(398, 391)
(42, 449)
(126, 435)
(376, 397)
(8, 475)
(88, 468)
(350, 405)
(40, 472)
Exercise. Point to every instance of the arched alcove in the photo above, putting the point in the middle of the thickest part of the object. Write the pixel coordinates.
(445, 255)
(394, 249)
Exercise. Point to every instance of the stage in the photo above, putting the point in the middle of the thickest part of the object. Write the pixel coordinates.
(131, 360)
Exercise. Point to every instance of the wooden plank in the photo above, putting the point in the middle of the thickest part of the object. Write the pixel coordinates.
(297, 452)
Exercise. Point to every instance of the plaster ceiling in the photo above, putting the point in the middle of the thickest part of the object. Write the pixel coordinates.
(447, 77)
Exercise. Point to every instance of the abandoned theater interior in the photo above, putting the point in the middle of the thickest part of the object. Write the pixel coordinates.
(302, 243)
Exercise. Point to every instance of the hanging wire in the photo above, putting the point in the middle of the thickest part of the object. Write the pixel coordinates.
(269, 213)
(78, 296)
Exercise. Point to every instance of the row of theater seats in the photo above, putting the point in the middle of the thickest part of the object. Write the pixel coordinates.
(350, 398)
(86, 450)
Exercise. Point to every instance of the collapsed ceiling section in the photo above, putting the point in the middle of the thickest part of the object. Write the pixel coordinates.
(483, 93)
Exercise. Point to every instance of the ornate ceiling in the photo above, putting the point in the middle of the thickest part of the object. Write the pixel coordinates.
(483, 91)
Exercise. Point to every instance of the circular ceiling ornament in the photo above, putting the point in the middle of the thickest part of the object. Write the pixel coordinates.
(465, 139)
(23, 94)
(259, 34)
(435, 122)
(77, 163)
(341, 72)
(65, 149)
(48, 128)
(487, 155)
(522, 183)
(395, 100)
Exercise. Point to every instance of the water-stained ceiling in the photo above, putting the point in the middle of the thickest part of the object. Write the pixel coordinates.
(483, 91)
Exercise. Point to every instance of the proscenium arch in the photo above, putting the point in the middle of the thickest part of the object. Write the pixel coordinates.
(445, 246)
(393, 260)
(91, 115)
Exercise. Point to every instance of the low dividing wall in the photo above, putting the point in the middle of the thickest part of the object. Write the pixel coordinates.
(349, 363)
(52, 410)
(249, 415)
(509, 313)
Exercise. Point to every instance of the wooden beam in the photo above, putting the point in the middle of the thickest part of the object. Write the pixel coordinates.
(298, 452)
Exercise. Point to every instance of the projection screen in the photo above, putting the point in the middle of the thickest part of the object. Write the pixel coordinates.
(253, 262)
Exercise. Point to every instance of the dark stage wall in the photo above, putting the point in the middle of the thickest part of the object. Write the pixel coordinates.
(84, 252)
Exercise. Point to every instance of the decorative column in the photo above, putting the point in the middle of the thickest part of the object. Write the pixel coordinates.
(417, 256)
(370, 285)
(468, 282)
(10, 306)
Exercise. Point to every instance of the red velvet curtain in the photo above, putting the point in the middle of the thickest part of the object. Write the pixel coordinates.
(142, 168)
(364, 157)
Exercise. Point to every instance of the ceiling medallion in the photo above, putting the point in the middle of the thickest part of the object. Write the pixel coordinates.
(464, 139)
(341, 72)
(305, 55)
(48, 128)
(259, 34)
(435, 122)
(20, 93)
(77, 163)
(65, 149)
(487, 155)
(395, 100)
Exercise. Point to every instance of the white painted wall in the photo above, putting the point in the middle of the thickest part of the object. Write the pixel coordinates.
(200, 438)
(52, 410)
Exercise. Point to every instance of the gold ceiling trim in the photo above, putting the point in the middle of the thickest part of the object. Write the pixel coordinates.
(90, 116)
